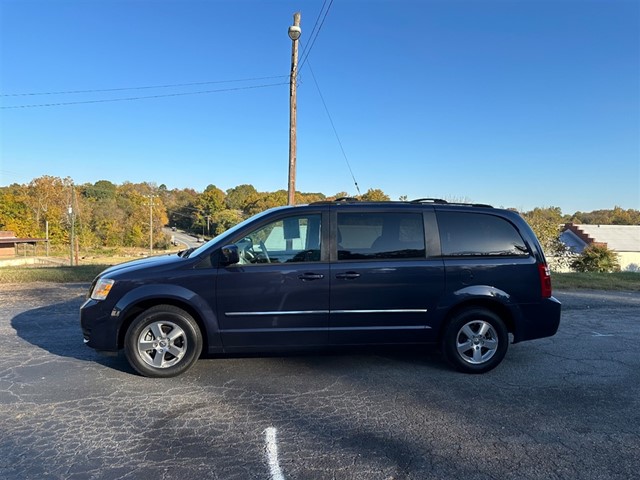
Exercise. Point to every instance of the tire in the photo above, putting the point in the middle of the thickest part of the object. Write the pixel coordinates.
(163, 341)
(475, 341)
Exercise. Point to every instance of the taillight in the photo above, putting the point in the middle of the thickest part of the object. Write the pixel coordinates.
(545, 280)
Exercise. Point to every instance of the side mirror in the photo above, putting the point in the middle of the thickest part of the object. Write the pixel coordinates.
(229, 255)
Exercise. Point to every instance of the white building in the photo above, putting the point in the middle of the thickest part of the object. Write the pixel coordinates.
(622, 239)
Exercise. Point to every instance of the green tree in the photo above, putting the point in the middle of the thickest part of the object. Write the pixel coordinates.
(239, 198)
(375, 195)
(616, 216)
(597, 258)
(208, 203)
(224, 220)
(619, 216)
(547, 224)
(338, 195)
(181, 207)
(212, 199)
(262, 201)
(102, 189)
(138, 202)
(108, 222)
(303, 198)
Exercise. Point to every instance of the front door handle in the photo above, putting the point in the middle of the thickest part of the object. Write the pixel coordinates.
(311, 276)
(347, 275)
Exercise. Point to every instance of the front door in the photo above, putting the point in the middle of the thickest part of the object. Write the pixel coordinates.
(278, 295)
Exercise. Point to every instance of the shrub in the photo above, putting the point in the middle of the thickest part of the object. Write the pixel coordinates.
(596, 258)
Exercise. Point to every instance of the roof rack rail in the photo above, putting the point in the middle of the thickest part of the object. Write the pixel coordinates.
(429, 200)
(440, 201)
(337, 200)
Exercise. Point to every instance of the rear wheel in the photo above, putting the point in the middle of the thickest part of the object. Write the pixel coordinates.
(475, 340)
(163, 341)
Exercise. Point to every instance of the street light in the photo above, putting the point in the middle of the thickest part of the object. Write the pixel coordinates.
(295, 31)
(294, 35)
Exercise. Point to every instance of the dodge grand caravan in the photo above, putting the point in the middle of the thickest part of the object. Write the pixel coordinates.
(469, 278)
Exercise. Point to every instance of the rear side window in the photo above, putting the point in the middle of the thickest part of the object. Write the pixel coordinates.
(364, 236)
(476, 234)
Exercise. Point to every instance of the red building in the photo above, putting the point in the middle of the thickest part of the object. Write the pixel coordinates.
(9, 243)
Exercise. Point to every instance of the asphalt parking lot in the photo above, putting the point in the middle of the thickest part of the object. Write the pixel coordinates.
(565, 407)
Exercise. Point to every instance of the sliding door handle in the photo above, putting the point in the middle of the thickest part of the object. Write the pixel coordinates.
(347, 275)
(311, 276)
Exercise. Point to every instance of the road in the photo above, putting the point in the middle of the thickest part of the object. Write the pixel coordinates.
(183, 238)
(566, 407)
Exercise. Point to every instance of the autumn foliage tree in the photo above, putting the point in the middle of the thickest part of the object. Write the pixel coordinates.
(110, 215)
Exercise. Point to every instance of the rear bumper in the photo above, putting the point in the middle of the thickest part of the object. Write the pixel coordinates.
(538, 320)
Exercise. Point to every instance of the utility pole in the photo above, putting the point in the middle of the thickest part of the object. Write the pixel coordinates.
(150, 197)
(72, 218)
(294, 35)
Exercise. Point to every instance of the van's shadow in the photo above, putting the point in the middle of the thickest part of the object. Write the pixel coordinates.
(56, 329)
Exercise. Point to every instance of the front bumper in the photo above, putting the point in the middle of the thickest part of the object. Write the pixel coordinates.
(99, 327)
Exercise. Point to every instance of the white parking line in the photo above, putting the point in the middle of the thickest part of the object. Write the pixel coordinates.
(596, 334)
(272, 454)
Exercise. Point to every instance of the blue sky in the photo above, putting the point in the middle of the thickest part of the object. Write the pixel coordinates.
(513, 103)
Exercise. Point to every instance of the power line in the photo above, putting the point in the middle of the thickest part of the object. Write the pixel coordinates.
(126, 99)
(315, 25)
(66, 92)
(326, 109)
(313, 40)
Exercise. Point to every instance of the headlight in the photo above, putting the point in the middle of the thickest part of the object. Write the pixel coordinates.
(102, 288)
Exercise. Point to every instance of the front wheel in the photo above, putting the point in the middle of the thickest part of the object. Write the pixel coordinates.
(163, 341)
(475, 341)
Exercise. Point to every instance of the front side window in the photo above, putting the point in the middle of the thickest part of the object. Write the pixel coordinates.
(367, 236)
(471, 234)
(288, 240)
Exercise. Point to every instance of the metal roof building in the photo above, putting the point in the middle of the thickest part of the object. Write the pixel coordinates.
(619, 238)
(622, 239)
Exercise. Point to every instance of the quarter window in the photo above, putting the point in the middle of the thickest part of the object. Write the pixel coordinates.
(364, 236)
(475, 234)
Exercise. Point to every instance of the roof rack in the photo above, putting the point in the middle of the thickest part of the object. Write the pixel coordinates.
(440, 201)
(435, 201)
(428, 200)
(337, 200)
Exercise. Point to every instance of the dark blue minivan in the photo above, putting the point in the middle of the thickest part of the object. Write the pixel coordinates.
(342, 273)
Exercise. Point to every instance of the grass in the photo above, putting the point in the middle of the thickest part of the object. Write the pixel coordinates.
(625, 281)
(92, 263)
(81, 273)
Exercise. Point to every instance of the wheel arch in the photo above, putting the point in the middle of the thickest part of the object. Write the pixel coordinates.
(136, 309)
(497, 307)
(140, 299)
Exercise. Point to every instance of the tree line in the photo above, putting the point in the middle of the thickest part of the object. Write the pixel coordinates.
(108, 215)
(104, 214)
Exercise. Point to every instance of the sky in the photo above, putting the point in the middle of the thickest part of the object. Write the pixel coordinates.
(513, 103)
